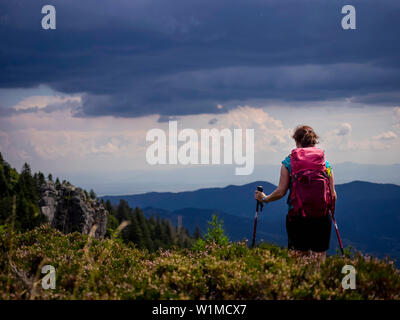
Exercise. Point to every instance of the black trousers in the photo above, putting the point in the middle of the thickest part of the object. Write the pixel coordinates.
(309, 233)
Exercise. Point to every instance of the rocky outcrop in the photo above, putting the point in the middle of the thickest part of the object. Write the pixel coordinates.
(70, 209)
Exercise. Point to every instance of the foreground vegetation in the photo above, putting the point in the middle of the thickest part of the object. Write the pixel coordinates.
(110, 269)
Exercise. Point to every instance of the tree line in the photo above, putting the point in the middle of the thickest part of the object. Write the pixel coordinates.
(150, 233)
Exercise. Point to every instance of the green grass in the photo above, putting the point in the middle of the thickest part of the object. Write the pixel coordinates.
(108, 269)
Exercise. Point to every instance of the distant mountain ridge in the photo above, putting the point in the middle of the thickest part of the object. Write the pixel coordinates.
(237, 200)
(367, 213)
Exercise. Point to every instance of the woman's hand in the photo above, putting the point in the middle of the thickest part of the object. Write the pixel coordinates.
(259, 196)
(334, 196)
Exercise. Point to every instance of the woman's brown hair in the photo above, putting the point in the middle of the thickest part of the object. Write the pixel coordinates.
(305, 136)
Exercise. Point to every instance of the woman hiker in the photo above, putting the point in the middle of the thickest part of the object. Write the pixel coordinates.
(309, 177)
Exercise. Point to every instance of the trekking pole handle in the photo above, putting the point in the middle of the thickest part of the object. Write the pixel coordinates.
(259, 204)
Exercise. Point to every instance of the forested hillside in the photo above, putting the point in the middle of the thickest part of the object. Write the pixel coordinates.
(21, 193)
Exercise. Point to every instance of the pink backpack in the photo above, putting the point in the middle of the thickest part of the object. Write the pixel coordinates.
(310, 194)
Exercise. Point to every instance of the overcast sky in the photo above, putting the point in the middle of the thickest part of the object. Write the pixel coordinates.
(82, 97)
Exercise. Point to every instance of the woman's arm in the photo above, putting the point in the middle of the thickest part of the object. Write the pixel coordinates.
(332, 186)
(280, 191)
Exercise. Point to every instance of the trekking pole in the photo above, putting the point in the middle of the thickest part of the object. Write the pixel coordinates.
(336, 228)
(258, 205)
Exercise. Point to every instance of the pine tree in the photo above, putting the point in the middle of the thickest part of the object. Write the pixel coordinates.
(41, 178)
(3, 181)
(216, 232)
(92, 194)
(167, 234)
(158, 236)
(147, 242)
(108, 206)
(6, 204)
(27, 185)
(152, 228)
(112, 224)
(133, 233)
(197, 233)
(39, 181)
(123, 211)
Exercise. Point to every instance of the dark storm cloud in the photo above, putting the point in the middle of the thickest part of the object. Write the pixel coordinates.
(179, 57)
